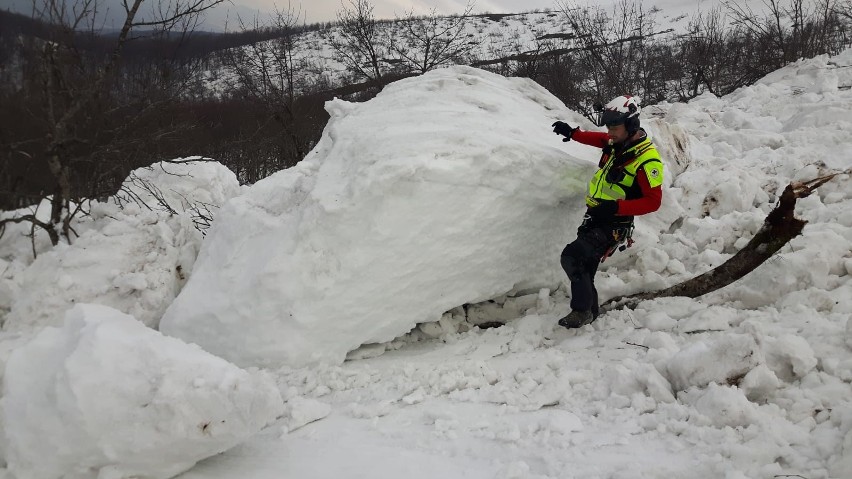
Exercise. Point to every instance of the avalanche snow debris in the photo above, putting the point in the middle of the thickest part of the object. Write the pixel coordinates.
(525, 400)
(109, 264)
(105, 396)
(790, 413)
(131, 258)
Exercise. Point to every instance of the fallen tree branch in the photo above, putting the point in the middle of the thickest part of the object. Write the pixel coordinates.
(778, 229)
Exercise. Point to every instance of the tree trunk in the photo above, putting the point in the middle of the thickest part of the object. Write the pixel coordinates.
(778, 229)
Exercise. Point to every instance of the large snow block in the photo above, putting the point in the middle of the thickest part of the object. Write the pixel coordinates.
(445, 189)
(105, 396)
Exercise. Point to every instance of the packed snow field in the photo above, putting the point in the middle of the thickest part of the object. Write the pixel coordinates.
(441, 204)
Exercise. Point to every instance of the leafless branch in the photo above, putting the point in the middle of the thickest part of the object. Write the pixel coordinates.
(432, 41)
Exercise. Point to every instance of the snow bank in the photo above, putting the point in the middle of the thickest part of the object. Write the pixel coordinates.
(445, 189)
(104, 396)
(133, 259)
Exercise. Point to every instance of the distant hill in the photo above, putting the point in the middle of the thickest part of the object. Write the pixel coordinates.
(200, 43)
(219, 19)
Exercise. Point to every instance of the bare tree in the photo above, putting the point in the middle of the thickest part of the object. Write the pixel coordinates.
(360, 43)
(796, 30)
(844, 9)
(425, 43)
(269, 74)
(617, 51)
(75, 79)
(532, 63)
(704, 55)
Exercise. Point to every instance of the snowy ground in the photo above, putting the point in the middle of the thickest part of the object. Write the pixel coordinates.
(754, 381)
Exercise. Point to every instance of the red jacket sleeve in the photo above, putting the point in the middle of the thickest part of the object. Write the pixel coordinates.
(648, 203)
(597, 139)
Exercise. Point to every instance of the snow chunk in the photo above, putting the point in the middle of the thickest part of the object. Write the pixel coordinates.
(714, 318)
(673, 143)
(734, 191)
(790, 357)
(722, 405)
(759, 383)
(104, 396)
(661, 340)
(448, 324)
(653, 259)
(719, 360)
(405, 209)
(559, 421)
(193, 182)
(301, 411)
(658, 321)
(631, 378)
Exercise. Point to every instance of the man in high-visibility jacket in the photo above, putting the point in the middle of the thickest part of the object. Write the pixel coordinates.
(628, 183)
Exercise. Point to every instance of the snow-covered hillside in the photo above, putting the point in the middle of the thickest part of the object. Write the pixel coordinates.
(753, 381)
(489, 37)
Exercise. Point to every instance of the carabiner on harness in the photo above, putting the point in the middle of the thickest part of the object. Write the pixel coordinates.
(623, 238)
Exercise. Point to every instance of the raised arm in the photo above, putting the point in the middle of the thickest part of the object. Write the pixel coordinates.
(597, 139)
(592, 138)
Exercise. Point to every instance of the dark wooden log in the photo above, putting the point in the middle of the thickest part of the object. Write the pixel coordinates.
(778, 229)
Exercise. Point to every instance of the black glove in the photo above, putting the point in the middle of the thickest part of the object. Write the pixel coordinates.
(604, 209)
(564, 129)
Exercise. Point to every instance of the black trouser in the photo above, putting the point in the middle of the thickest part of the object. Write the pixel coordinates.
(580, 260)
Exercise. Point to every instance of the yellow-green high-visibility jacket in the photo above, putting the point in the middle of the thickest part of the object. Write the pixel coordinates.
(635, 173)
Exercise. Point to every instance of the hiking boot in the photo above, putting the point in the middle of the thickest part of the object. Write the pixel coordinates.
(577, 319)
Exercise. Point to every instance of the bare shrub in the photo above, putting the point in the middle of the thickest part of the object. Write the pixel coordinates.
(425, 43)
